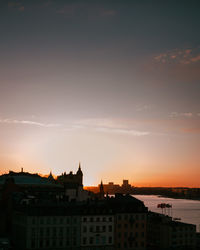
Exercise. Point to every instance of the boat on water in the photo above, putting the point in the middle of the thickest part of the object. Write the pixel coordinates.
(176, 219)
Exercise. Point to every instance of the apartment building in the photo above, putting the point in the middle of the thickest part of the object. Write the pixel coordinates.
(164, 233)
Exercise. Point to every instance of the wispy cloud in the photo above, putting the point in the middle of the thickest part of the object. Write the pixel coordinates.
(185, 114)
(27, 122)
(109, 126)
(16, 5)
(179, 56)
(83, 9)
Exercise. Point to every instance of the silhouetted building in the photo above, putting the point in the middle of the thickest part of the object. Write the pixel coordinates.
(164, 233)
(92, 224)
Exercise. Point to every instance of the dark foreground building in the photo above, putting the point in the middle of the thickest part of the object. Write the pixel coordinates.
(113, 223)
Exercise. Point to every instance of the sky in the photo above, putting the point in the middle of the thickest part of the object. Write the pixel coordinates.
(114, 85)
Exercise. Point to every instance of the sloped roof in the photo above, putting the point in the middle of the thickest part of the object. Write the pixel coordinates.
(26, 179)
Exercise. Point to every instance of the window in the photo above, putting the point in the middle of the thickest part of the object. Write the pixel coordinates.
(97, 228)
(110, 218)
(91, 229)
(41, 243)
(91, 240)
(61, 220)
(60, 243)
(47, 231)
(47, 242)
(98, 219)
(54, 220)
(104, 219)
(48, 220)
(41, 232)
(74, 230)
(61, 231)
(33, 232)
(110, 228)
(84, 229)
(33, 243)
(85, 219)
(91, 219)
(67, 230)
(54, 231)
(104, 228)
(54, 243)
(110, 240)
(74, 241)
(84, 241)
(67, 242)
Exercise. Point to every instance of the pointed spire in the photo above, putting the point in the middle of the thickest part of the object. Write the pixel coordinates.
(101, 189)
(50, 177)
(79, 171)
(79, 166)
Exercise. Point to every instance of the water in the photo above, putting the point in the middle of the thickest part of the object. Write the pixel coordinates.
(187, 210)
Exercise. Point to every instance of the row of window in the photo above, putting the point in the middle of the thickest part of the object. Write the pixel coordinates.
(181, 235)
(103, 240)
(183, 242)
(131, 216)
(54, 220)
(136, 225)
(130, 244)
(103, 228)
(175, 229)
(48, 231)
(46, 243)
(97, 219)
(130, 235)
(68, 220)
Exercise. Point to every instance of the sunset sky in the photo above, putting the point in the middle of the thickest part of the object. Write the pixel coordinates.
(112, 84)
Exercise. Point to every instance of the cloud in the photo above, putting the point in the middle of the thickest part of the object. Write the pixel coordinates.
(143, 107)
(92, 11)
(109, 126)
(16, 5)
(123, 131)
(179, 56)
(27, 122)
(176, 114)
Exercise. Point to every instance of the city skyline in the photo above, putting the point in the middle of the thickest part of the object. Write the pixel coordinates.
(112, 84)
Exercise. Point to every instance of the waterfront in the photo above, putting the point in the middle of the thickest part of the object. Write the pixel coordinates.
(187, 210)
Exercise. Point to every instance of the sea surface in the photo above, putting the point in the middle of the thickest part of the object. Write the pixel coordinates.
(187, 210)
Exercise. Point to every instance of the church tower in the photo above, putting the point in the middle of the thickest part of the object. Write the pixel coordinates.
(101, 193)
(79, 175)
